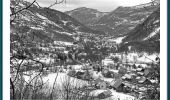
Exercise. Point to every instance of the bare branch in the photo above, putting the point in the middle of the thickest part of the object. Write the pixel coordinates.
(51, 97)
(37, 4)
(13, 89)
(18, 70)
(14, 13)
(56, 2)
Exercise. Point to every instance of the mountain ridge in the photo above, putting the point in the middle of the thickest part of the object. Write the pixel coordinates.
(49, 24)
(86, 15)
(119, 21)
(145, 36)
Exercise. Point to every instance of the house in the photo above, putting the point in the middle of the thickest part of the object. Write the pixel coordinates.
(107, 73)
(71, 73)
(127, 76)
(97, 82)
(128, 84)
(134, 66)
(87, 75)
(111, 66)
(96, 67)
(122, 71)
(140, 73)
(107, 61)
(117, 75)
(117, 84)
(104, 71)
(146, 72)
(105, 94)
(127, 88)
(87, 67)
(139, 66)
(79, 74)
(144, 80)
(103, 85)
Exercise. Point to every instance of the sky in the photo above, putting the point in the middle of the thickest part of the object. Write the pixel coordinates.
(101, 5)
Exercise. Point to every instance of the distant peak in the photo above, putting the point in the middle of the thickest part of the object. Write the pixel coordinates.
(82, 8)
(138, 6)
(85, 8)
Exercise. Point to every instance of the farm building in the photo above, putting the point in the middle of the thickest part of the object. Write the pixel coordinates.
(117, 84)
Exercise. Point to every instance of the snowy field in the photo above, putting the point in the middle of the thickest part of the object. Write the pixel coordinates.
(63, 78)
(114, 95)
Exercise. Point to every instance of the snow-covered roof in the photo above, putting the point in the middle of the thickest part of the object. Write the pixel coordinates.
(114, 95)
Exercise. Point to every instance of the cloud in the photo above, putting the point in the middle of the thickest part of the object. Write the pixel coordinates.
(101, 5)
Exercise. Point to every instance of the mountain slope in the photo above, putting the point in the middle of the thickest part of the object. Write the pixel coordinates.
(115, 23)
(85, 15)
(48, 25)
(123, 19)
(145, 36)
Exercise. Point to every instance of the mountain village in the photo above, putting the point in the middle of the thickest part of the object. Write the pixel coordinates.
(55, 56)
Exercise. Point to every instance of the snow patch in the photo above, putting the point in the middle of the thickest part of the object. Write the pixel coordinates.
(152, 34)
(26, 18)
(63, 43)
(157, 21)
(40, 16)
(130, 28)
(66, 33)
(36, 28)
(65, 22)
(47, 60)
(21, 5)
(119, 39)
(46, 20)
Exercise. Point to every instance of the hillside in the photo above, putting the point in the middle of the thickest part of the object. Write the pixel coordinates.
(85, 15)
(123, 19)
(115, 23)
(145, 36)
(48, 25)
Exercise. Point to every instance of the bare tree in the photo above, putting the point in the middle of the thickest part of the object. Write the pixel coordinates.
(24, 62)
(15, 9)
(72, 89)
